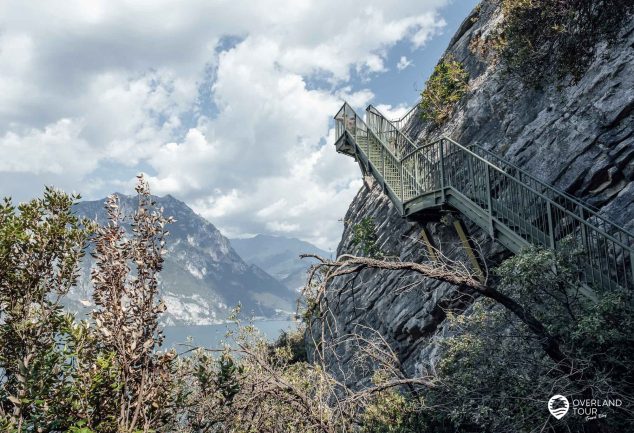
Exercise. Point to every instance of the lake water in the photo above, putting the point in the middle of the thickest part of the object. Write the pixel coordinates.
(211, 336)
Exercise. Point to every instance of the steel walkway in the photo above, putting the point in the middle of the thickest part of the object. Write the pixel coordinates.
(512, 206)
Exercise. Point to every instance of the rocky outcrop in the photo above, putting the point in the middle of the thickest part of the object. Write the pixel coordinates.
(577, 136)
(407, 311)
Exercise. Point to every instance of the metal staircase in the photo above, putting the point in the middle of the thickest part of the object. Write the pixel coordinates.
(513, 206)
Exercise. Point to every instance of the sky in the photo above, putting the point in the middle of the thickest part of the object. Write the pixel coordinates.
(224, 104)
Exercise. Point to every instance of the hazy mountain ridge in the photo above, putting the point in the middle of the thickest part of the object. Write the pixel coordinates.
(203, 276)
(279, 256)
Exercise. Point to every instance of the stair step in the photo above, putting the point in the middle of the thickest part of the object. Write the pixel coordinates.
(520, 215)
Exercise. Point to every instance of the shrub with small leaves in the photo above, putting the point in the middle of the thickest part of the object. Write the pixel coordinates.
(545, 39)
(365, 239)
(125, 281)
(41, 245)
(446, 86)
(496, 376)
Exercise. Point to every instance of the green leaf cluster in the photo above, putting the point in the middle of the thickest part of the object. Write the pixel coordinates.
(365, 239)
(446, 86)
(545, 40)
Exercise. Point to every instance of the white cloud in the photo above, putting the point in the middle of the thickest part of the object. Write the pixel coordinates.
(56, 149)
(93, 91)
(403, 63)
(391, 112)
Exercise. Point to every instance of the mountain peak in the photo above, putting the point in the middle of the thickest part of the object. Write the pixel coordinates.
(279, 256)
(203, 276)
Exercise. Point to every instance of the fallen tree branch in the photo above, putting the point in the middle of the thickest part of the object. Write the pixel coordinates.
(449, 272)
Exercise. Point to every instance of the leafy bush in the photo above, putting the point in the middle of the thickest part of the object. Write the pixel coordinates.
(293, 341)
(365, 239)
(392, 412)
(495, 375)
(446, 86)
(59, 374)
(41, 245)
(546, 39)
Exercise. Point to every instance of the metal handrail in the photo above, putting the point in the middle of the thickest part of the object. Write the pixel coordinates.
(360, 120)
(578, 203)
(405, 117)
(373, 113)
(520, 213)
(534, 191)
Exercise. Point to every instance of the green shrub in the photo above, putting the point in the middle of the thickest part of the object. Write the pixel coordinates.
(293, 341)
(446, 86)
(494, 373)
(60, 374)
(41, 245)
(365, 239)
(392, 412)
(547, 39)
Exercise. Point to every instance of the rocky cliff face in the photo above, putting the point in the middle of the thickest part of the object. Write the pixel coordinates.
(579, 137)
(203, 277)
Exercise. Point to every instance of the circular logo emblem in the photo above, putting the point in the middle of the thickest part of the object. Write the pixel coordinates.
(558, 406)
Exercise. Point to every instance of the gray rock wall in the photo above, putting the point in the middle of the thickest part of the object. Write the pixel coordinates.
(579, 138)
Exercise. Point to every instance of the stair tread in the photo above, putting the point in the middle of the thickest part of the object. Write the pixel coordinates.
(514, 204)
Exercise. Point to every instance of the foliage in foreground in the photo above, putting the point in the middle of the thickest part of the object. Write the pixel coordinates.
(494, 375)
(107, 375)
(531, 334)
(62, 374)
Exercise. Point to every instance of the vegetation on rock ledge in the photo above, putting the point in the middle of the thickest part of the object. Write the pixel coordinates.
(546, 39)
(446, 86)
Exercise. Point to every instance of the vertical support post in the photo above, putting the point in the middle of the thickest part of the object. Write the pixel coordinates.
(442, 170)
(587, 254)
(416, 174)
(430, 248)
(489, 201)
(354, 126)
(383, 161)
(632, 268)
(466, 243)
(400, 163)
(584, 232)
(471, 177)
(551, 227)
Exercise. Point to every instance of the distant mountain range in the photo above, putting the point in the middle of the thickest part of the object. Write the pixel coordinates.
(203, 276)
(279, 256)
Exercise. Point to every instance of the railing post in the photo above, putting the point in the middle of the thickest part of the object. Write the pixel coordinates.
(471, 179)
(584, 231)
(355, 127)
(400, 163)
(416, 174)
(632, 268)
(442, 171)
(489, 201)
(551, 231)
(383, 161)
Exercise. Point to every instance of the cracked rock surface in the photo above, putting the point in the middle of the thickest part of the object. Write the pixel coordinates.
(578, 137)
